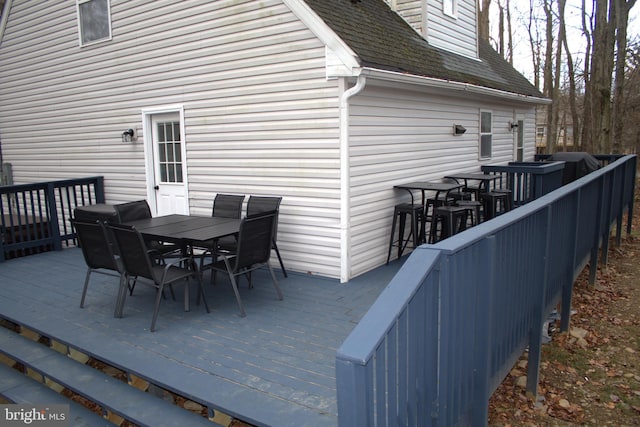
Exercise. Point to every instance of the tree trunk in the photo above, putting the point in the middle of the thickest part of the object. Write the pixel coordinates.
(509, 34)
(483, 20)
(586, 138)
(601, 76)
(501, 30)
(548, 78)
(575, 119)
(534, 45)
(622, 19)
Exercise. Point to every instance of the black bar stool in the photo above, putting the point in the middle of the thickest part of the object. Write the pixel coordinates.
(509, 193)
(401, 212)
(452, 220)
(495, 203)
(473, 210)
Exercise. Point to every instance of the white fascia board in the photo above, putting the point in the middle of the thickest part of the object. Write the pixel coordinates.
(5, 18)
(395, 77)
(341, 60)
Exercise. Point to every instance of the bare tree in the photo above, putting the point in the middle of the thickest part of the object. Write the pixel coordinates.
(509, 56)
(586, 139)
(535, 45)
(571, 76)
(600, 79)
(483, 19)
(548, 88)
(622, 19)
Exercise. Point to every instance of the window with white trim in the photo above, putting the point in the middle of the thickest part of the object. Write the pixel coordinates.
(486, 134)
(450, 7)
(94, 21)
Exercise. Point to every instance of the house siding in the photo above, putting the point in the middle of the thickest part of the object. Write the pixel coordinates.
(411, 11)
(455, 34)
(260, 116)
(398, 136)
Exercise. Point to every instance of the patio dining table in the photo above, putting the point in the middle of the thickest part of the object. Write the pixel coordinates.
(186, 230)
(424, 186)
(485, 180)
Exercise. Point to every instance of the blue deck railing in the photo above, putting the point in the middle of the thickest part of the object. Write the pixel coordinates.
(454, 320)
(35, 217)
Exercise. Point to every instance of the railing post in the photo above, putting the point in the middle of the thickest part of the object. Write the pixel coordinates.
(535, 335)
(567, 286)
(483, 332)
(54, 226)
(99, 184)
(593, 262)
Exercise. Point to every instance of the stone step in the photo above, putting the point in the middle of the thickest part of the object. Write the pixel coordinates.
(125, 401)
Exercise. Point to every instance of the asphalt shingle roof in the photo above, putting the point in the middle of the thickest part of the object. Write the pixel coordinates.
(383, 40)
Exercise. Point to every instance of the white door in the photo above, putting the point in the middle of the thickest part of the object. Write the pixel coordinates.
(169, 181)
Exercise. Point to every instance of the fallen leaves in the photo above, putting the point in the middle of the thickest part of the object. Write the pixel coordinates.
(589, 375)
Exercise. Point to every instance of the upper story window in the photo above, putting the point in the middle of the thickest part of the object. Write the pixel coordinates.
(486, 134)
(94, 20)
(450, 7)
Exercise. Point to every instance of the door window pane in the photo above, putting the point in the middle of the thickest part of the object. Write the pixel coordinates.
(169, 152)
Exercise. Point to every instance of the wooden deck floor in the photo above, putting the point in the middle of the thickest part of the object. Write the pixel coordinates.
(274, 367)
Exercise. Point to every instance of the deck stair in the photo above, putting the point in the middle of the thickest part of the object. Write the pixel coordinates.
(114, 396)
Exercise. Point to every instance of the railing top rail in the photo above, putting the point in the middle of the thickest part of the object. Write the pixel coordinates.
(32, 186)
(369, 332)
(526, 167)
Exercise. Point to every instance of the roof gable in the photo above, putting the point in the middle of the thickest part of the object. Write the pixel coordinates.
(383, 40)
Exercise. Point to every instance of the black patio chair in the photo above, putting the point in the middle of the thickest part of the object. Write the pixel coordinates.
(137, 262)
(140, 209)
(259, 204)
(99, 257)
(253, 251)
(224, 206)
(228, 205)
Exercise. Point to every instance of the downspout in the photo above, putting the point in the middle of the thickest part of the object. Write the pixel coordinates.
(345, 180)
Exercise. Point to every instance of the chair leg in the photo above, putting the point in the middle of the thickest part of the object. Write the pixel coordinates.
(275, 282)
(234, 285)
(86, 285)
(284, 271)
(201, 293)
(122, 295)
(393, 232)
(159, 294)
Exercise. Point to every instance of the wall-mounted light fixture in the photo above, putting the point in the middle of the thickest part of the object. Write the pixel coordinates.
(459, 129)
(513, 126)
(128, 135)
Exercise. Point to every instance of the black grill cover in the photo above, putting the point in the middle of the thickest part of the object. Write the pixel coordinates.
(577, 164)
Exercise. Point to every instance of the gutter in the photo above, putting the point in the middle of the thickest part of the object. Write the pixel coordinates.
(396, 77)
(345, 180)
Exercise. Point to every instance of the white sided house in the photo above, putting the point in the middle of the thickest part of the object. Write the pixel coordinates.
(327, 103)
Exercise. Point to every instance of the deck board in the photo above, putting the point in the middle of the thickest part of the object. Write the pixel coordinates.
(274, 367)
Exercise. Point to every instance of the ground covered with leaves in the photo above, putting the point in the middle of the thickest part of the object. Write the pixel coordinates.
(591, 374)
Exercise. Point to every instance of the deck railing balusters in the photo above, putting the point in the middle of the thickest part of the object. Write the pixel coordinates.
(34, 217)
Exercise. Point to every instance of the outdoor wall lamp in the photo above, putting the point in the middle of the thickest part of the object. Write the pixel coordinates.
(513, 126)
(128, 135)
(459, 129)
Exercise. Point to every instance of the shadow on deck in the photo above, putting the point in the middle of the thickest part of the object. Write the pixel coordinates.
(274, 367)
